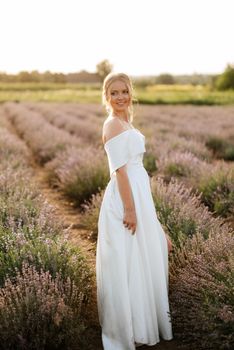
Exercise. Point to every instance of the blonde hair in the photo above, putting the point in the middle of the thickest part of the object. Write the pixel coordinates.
(109, 79)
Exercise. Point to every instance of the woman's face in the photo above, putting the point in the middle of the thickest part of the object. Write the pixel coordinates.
(119, 96)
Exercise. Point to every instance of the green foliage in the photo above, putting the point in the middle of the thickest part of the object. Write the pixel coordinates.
(149, 162)
(229, 152)
(89, 219)
(174, 169)
(217, 192)
(215, 143)
(143, 82)
(166, 79)
(81, 188)
(226, 80)
(104, 68)
(45, 86)
(222, 149)
(35, 76)
(48, 77)
(176, 95)
(91, 93)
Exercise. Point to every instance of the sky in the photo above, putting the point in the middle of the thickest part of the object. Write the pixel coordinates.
(138, 37)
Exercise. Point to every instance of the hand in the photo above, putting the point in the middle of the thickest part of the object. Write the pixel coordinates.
(169, 244)
(130, 219)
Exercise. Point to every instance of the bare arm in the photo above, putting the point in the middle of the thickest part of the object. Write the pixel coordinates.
(110, 130)
(125, 188)
(125, 191)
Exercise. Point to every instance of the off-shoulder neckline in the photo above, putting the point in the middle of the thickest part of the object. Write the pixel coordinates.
(114, 137)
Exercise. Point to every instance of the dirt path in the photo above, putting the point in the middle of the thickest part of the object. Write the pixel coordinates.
(66, 213)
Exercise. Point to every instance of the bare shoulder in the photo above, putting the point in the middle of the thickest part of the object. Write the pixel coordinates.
(111, 128)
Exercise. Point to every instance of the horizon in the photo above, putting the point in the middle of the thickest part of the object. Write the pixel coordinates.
(132, 75)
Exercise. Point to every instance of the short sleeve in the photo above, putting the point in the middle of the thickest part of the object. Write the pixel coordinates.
(117, 149)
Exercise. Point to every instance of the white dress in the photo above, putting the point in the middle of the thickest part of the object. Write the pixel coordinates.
(131, 270)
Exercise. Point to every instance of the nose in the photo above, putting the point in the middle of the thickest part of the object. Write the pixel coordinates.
(120, 97)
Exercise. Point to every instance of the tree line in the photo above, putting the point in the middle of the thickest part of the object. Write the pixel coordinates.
(223, 81)
(102, 69)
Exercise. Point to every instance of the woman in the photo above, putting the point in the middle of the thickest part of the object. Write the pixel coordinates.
(132, 248)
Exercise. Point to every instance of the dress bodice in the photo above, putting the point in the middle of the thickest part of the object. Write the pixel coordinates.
(127, 148)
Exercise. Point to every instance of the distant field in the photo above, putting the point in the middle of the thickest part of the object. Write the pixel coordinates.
(184, 94)
(91, 93)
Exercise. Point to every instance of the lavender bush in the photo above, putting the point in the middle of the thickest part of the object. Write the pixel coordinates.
(44, 139)
(221, 148)
(30, 234)
(51, 254)
(217, 189)
(188, 144)
(89, 219)
(201, 294)
(164, 144)
(150, 161)
(177, 164)
(181, 211)
(12, 149)
(38, 311)
(22, 206)
(79, 174)
(200, 268)
(29, 230)
(85, 128)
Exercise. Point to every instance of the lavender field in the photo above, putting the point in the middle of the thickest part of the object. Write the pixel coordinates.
(47, 280)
